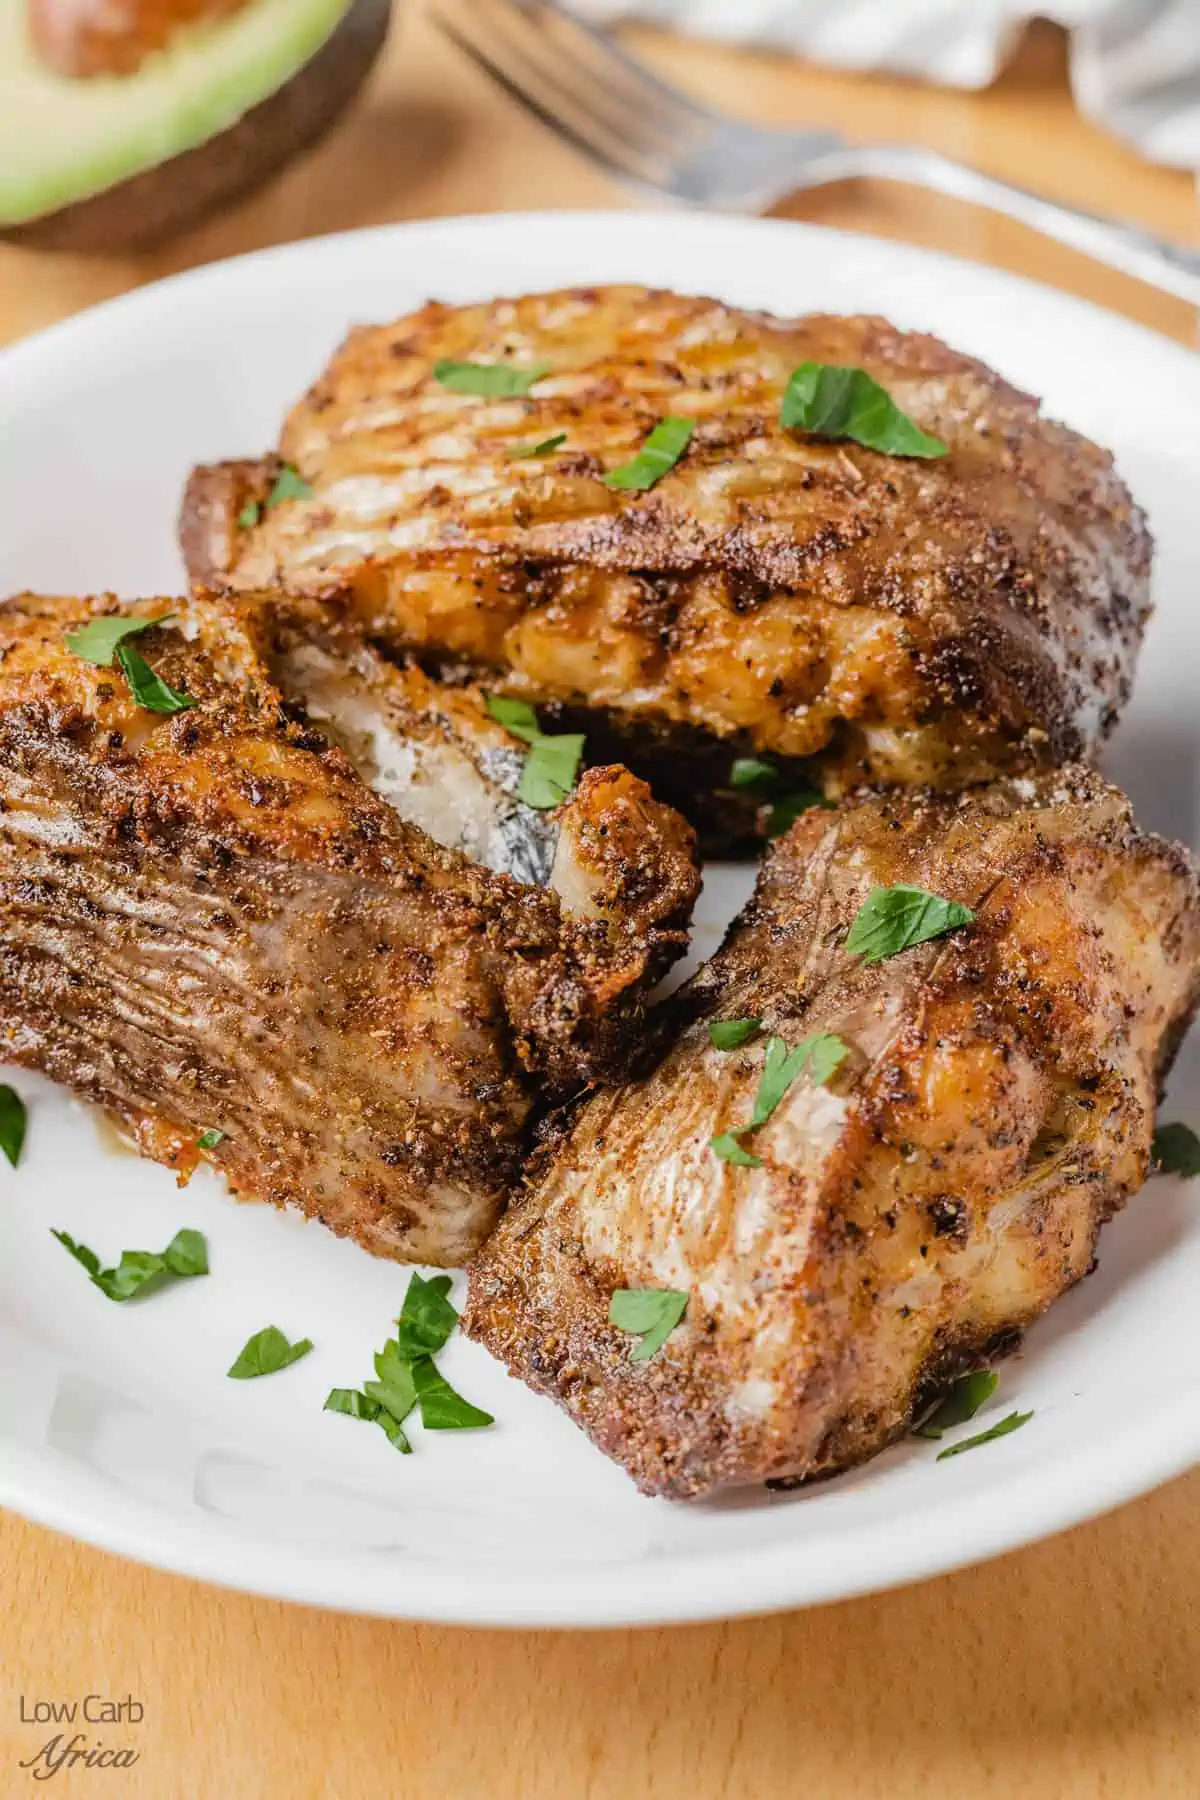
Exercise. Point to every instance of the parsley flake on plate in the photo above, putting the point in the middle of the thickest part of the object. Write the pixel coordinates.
(833, 402)
(1176, 1151)
(650, 1314)
(185, 1255)
(266, 1353)
(892, 919)
(1013, 1422)
(960, 1403)
(12, 1123)
(442, 1409)
(208, 1140)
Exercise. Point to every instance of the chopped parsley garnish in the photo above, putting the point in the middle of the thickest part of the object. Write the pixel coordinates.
(352, 1403)
(147, 688)
(552, 766)
(12, 1123)
(897, 918)
(289, 485)
(833, 402)
(1013, 1422)
(98, 641)
(753, 772)
(103, 641)
(405, 1373)
(657, 456)
(727, 1034)
(545, 448)
(266, 1353)
(442, 1409)
(1176, 1151)
(186, 1254)
(823, 1051)
(427, 1318)
(650, 1313)
(960, 1403)
(754, 775)
(208, 1140)
(493, 381)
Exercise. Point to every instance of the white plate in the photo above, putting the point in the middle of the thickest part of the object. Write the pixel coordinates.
(117, 1423)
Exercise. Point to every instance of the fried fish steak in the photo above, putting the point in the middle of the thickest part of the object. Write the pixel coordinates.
(213, 923)
(911, 1216)
(890, 619)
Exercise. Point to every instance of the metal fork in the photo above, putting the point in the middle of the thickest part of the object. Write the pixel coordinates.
(582, 84)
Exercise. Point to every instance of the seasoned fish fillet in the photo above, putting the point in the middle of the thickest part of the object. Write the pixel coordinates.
(210, 922)
(912, 1215)
(890, 619)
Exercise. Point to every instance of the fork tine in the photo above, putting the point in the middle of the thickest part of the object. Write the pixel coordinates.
(593, 103)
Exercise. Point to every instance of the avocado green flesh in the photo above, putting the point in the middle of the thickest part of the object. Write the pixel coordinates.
(63, 140)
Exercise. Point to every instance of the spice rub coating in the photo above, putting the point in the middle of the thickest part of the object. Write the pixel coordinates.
(211, 921)
(911, 1217)
(893, 620)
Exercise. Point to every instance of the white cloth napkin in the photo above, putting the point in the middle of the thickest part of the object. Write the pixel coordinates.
(1135, 64)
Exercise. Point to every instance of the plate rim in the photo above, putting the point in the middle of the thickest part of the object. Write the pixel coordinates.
(697, 1585)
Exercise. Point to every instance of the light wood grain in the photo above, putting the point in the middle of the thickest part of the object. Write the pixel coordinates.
(1068, 1672)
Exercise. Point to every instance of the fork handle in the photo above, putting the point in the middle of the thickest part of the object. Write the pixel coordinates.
(1164, 265)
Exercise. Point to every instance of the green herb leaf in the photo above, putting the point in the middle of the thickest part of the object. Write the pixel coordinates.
(208, 1140)
(393, 1431)
(753, 772)
(494, 381)
(545, 448)
(352, 1403)
(1013, 1422)
(730, 1148)
(147, 688)
(516, 716)
(98, 640)
(657, 456)
(1176, 1151)
(823, 1050)
(833, 402)
(961, 1403)
(249, 515)
(551, 770)
(651, 1313)
(441, 1408)
(289, 485)
(267, 1352)
(362, 1406)
(427, 1318)
(12, 1123)
(87, 1258)
(185, 1255)
(552, 766)
(788, 807)
(394, 1388)
(896, 918)
(727, 1034)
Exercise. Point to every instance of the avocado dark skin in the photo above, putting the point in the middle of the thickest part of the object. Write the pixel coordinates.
(164, 201)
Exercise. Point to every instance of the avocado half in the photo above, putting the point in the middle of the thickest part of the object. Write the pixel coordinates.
(111, 163)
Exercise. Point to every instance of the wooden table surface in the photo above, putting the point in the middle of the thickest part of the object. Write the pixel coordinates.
(1071, 1670)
